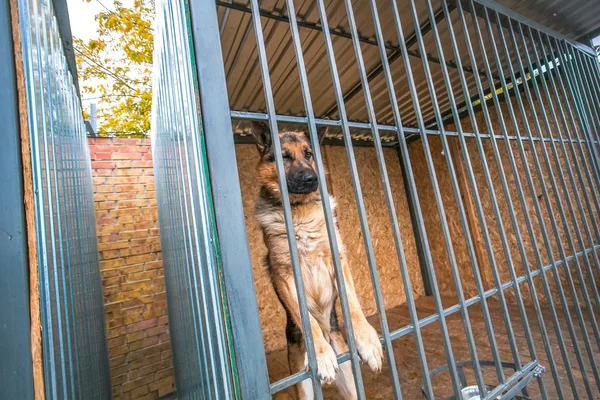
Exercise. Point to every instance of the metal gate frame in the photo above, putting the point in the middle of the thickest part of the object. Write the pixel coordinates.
(579, 121)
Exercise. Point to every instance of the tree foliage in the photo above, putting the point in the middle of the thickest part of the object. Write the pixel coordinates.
(116, 67)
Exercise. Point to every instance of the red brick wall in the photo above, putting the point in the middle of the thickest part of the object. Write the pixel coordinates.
(131, 265)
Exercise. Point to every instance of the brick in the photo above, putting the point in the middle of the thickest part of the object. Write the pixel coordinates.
(102, 239)
(140, 362)
(141, 164)
(120, 196)
(112, 333)
(118, 341)
(111, 281)
(148, 172)
(165, 337)
(104, 189)
(117, 351)
(141, 276)
(165, 391)
(113, 246)
(103, 149)
(133, 269)
(101, 156)
(129, 188)
(159, 330)
(123, 180)
(153, 265)
(132, 149)
(129, 172)
(163, 373)
(142, 325)
(133, 203)
(135, 336)
(129, 386)
(99, 180)
(139, 392)
(104, 164)
(109, 264)
(122, 296)
(146, 179)
(133, 234)
(125, 211)
(131, 142)
(131, 319)
(117, 381)
(145, 195)
(117, 361)
(108, 205)
(161, 383)
(147, 156)
(140, 250)
(103, 172)
(126, 156)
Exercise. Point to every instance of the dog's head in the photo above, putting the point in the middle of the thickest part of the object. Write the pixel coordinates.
(298, 160)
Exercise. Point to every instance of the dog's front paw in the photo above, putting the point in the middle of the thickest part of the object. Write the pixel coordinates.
(368, 346)
(327, 366)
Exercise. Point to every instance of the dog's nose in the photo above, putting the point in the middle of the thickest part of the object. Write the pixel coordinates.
(309, 178)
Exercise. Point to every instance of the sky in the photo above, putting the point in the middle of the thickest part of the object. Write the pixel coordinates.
(81, 14)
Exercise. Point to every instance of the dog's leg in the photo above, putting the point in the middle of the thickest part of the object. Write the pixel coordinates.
(296, 357)
(327, 365)
(345, 377)
(367, 340)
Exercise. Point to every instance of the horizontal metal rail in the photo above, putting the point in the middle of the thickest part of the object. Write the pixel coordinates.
(245, 115)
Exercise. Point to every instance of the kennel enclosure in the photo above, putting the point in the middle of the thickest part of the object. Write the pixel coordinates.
(469, 176)
(53, 342)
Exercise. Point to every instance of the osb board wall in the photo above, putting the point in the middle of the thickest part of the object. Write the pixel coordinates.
(547, 217)
(340, 185)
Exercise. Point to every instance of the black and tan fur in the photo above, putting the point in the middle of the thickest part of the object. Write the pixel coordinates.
(315, 262)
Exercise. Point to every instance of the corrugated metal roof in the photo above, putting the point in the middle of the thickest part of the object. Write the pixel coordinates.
(572, 18)
(245, 83)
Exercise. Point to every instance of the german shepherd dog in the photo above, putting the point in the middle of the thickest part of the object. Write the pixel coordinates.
(315, 262)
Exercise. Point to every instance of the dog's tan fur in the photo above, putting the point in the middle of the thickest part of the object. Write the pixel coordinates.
(317, 269)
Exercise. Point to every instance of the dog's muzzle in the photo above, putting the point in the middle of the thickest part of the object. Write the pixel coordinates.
(304, 182)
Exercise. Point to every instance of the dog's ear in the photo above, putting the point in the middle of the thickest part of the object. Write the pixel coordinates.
(322, 132)
(262, 134)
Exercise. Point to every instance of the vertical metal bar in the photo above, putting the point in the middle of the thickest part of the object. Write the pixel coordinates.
(408, 168)
(186, 245)
(564, 151)
(389, 350)
(514, 222)
(592, 121)
(548, 203)
(226, 196)
(463, 218)
(587, 64)
(588, 173)
(573, 85)
(287, 211)
(389, 200)
(470, 173)
(331, 230)
(491, 190)
(531, 185)
(572, 139)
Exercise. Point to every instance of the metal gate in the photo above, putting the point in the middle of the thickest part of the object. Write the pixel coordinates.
(516, 110)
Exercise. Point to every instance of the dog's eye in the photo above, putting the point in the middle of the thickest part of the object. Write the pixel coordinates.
(308, 155)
